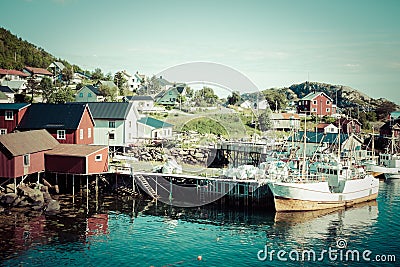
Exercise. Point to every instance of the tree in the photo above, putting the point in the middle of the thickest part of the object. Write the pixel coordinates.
(97, 74)
(63, 95)
(264, 120)
(110, 93)
(276, 99)
(189, 92)
(67, 75)
(46, 86)
(205, 97)
(153, 85)
(33, 85)
(234, 99)
(121, 82)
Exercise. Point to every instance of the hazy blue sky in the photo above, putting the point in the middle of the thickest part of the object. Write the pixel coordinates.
(274, 43)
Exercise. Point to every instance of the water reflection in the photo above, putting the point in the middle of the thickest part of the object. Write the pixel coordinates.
(141, 226)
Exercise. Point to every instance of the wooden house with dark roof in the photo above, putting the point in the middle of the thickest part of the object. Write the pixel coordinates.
(8, 92)
(348, 126)
(77, 159)
(89, 93)
(317, 103)
(70, 123)
(37, 73)
(115, 123)
(390, 129)
(22, 153)
(11, 115)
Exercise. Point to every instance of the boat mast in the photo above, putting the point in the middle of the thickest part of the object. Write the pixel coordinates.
(305, 143)
(373, 143)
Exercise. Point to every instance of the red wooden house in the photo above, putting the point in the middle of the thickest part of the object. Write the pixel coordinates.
(22, 153)
(77, 159)
(68, 123)
(348, 126)
(11, 115)
(390, 128)
(317, 103)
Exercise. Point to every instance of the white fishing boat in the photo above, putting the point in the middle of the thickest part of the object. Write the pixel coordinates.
(333, 184)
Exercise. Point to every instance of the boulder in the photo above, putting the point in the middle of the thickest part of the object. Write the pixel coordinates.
(53, 206)
(9, 198)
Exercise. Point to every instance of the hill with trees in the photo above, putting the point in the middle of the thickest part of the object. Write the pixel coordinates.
(16, 53)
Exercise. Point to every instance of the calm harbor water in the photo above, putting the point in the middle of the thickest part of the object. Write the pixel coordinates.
(141, 233)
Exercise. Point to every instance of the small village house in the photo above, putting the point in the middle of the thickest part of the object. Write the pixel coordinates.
(327, 128)
(143, 103)
(285, 121)
(18, 86)
(170, 97)
(133, 81)
(8, 92)
(3, 98)
(316, 103)
(390, 129)
(77, 159)
(56, 68)
(68, 123)
(10, 75)
(37, 73)
(22, 153)
(348, 126)
(151, 128)
(115, 123)
(11, 115)
(89, 93)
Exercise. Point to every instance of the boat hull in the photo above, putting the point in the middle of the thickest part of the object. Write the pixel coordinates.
(392, 175)
(317, 196)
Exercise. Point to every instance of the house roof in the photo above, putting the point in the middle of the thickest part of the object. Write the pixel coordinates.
(110, 110)
(73, 150)
(13, 106)
(14, 84)
(92, 88)
(107, 83)
(21, 143)
(57, 64)
(285, 116)
(139, 98)
(313, 95)
(162, 81)
(12, 72)
(53, 116)
(157, 124)
(3, 96)
(6, 89)
(315, 137)
(41, 71)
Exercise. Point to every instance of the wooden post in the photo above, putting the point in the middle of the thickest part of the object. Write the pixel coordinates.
(38, 177)
(15, 185)
(97, 192)
(87, 193)
(73, 188)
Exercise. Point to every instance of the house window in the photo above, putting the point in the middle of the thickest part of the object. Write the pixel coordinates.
(89, 132)
(111, 136)
(61, 134)
(314, 110)
(80, 94)
(81, 134)
(111, 124)
(328, 110)
(26, 160)
(9, 115)
(328, 102)
(3, 131)
(315, 102)
(99, 157)
(130, 124)
(89, 94)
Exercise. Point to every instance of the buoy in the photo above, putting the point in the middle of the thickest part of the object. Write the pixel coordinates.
(199, 258)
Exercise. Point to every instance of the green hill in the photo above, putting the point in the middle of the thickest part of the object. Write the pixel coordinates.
(16, 53)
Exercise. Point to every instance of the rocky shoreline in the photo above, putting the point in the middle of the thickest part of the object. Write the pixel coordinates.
(194, 156)
(30, 196)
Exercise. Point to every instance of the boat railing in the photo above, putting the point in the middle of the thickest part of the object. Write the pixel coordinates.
(300, 178)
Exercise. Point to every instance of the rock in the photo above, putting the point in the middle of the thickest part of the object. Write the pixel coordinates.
(44, 188)
(9, 198)
(199, 155)
(10, 188)
(53, 206)
(47, 197)
(1, 209)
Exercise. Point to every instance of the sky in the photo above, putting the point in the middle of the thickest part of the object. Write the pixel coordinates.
(274, 43)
